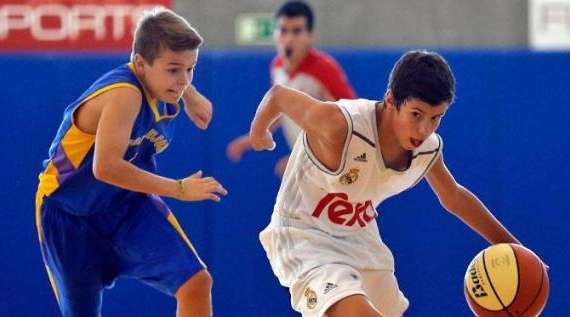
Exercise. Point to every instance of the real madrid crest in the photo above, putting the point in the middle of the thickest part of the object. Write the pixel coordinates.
(311, 297)
(350, 177)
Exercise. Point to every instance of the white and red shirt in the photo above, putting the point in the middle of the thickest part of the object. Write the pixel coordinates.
(319, 76)
(323, 216)
(344, 200)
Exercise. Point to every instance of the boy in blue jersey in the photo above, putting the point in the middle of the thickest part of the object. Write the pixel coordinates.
(98, 211)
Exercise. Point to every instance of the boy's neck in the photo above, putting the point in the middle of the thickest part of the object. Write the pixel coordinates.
(394, 155)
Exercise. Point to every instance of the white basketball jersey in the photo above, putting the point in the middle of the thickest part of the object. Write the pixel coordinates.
(323, 216)
(344, 200)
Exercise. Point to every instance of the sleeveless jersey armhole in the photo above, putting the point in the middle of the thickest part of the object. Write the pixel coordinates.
(347, 140)
(436, 155)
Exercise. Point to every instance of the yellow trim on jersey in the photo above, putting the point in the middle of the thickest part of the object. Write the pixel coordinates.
(48, 180)
(107, 88)
(38, 215)
(39, 202)
(131, 67)
(76, 144)
(175, 113)
(153, 103)
(172, 219)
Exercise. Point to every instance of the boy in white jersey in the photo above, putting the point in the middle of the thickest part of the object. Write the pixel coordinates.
(323, 242)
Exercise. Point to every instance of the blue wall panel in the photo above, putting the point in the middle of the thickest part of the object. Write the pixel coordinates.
(506, 138)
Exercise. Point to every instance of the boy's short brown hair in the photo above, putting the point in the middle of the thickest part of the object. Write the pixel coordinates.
(423, 75)
(161, 28)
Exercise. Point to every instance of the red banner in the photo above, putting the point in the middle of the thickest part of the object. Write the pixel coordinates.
(70, 25)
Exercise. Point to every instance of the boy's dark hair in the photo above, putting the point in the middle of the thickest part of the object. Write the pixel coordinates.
(160, 29)
(292, 9)
(423, 75)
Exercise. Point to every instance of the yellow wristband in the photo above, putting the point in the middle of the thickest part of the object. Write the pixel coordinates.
(181, 188)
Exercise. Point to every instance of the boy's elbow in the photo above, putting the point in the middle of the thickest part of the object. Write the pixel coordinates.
(276, 92)
(452, 201)
(100, 171)
(449, 206)
(276, 97)
(103, 171)
(276, 89)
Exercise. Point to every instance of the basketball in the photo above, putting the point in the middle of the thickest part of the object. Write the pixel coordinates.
(506, 280)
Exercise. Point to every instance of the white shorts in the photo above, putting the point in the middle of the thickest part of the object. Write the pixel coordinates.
(320, 270)
(326, 285)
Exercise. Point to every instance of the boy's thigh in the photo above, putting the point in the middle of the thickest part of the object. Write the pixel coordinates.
(326, 285)
(323, 286)
(80, 263)
(383, 291)
(154, 249)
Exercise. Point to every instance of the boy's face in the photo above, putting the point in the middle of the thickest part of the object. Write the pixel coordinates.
(292, 37)
(170, 73)
(416, 121)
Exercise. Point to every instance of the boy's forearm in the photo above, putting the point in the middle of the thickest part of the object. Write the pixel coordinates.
(267, 112)
(474, 213)
(128, 176)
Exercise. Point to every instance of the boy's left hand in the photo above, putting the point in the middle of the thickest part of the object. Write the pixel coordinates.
(198, 108)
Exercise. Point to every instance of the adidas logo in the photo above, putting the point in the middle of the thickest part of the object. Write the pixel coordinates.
(329, 287)
(361, 158)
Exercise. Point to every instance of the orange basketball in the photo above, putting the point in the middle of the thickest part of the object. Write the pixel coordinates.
(506, 280)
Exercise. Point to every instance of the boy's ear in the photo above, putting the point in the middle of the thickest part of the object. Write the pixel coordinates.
(389, 99)
(138, 62)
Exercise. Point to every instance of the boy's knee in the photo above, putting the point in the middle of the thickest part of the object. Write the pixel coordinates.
(199, 284)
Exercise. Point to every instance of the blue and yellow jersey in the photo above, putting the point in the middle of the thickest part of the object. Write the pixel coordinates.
(68, 177)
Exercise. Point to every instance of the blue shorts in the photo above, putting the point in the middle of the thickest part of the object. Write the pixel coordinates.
(141, 239)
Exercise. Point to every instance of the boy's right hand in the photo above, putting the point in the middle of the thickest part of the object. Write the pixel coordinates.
(198, 188)
(261, 141)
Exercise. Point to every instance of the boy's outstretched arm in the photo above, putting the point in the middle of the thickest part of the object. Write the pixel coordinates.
(120, 107)
(324, 123)
(466, 206)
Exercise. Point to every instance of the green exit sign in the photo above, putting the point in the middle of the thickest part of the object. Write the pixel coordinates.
(255, 29)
